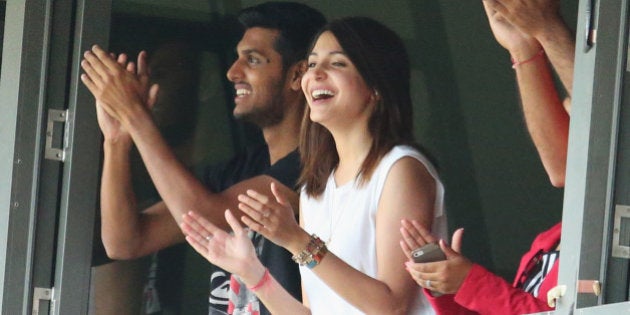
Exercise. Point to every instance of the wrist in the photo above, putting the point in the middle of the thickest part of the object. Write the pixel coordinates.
(554, 29)
(562, 42)
(299, 242)
(264, 279)
(135, 115)
(525, 51)
(535, 57)
(254, 275)
(313, 254)
(121, 142)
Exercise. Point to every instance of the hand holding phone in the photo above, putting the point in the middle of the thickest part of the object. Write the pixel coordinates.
(430, 252)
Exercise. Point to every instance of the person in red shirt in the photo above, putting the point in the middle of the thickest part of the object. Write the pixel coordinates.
(536, 36)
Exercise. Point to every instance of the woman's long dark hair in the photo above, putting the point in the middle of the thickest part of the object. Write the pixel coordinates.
(381, 59)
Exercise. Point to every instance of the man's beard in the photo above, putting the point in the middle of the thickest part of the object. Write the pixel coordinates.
(266, 116)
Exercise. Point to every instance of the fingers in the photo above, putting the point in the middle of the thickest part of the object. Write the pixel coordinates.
(95, 66)
(131, 67)
(153, 92)
(426, 283)
(258, 197)
(410, 241)
(423, 232)
(277, 194)
(487, 7)
(199, 226)
(92, 65)
(405, 248)
(105, 58)
(494, 6)
(256, 220)
(87, 81)
(191, 228)
(414, 235)
(448, 251)
(143, 69)
(456, 242)
(106, 108)
(415, 275)
(495, 11)
(254, 225)
(416, 270)
(199, 247)
(122, 58)
(99, 62)
(90, 71)
(233, 222)
(256, 205)
(253, 209)
(194, 238)
(250, 202)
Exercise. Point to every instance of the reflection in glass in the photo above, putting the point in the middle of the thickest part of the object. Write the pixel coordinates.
(189, 50)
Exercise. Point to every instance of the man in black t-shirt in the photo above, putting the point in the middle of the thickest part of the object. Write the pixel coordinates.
(266, 79)
(219, 177)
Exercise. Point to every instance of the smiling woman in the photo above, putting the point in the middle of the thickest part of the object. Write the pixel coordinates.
(360, 136)
(461, 112)
(357, 149)
(337, 94)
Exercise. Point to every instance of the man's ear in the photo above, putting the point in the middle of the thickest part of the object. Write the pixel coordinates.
(295, 73)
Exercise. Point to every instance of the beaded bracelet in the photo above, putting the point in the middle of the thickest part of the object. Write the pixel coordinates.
(534, 57)
(313, 254)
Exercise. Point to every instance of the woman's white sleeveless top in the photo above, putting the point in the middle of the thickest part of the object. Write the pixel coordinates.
(345, 218)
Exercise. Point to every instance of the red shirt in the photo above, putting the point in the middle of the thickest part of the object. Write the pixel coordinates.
(483, 292)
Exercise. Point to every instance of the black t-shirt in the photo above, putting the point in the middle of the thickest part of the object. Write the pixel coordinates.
(253, 162)
(217, 177)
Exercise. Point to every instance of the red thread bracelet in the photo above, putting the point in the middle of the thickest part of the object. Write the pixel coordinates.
(261, 282)
(518, 63)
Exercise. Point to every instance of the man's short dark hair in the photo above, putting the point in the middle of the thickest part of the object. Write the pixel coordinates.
(297, 23)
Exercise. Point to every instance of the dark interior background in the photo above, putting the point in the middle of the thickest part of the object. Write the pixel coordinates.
(467, 114)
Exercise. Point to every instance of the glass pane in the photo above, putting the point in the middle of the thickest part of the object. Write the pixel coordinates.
(189, 48)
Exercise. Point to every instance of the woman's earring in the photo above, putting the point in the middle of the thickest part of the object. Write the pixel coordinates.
(376, 96)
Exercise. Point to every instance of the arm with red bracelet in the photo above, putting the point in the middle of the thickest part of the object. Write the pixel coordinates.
(541, 20)
(540, 54)
(546, 117)
(235, 253)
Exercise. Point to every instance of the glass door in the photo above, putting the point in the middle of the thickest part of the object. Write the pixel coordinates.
(50, 147)
(190, 46)
(595, 260)
(42, 155)
(51, 257)
(81, 166)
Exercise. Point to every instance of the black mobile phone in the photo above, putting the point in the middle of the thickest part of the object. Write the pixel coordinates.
(430, 252)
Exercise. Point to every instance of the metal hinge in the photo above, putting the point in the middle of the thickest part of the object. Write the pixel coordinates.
(55, 116)
(621, 232)
(40, 294)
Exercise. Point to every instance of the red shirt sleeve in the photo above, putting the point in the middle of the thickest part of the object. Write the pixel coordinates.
(446, 305)
(489, 294)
